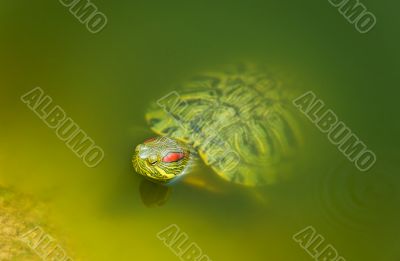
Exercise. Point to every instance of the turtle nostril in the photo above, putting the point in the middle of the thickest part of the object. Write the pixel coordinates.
(152, 160)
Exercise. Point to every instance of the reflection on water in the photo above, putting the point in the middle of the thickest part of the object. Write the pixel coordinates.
(152, 194)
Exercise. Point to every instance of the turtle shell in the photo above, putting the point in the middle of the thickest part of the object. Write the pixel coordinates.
(238, 120)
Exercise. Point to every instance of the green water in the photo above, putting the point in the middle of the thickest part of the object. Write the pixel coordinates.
(104, 82)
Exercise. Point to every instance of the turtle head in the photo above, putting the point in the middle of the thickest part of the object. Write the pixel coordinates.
(161, 159)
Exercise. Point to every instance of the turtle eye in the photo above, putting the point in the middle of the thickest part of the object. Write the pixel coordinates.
(152, 159)
(173, 156)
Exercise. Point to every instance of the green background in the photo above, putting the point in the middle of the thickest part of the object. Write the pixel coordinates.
(105, 81)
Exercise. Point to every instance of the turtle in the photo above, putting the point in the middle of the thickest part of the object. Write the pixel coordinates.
(238, 121)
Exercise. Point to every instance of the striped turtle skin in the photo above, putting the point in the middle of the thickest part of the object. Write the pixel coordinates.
(161, 159)
(238, 121)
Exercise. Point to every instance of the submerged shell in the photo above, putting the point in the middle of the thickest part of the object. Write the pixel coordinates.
(239, 122)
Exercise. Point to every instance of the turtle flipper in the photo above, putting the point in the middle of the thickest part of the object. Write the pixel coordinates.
(154, 195)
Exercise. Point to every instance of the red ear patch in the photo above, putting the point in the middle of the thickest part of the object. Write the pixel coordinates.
(149, 140)
(173, 156)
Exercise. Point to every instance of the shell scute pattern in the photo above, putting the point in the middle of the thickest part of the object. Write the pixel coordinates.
(238, 121)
